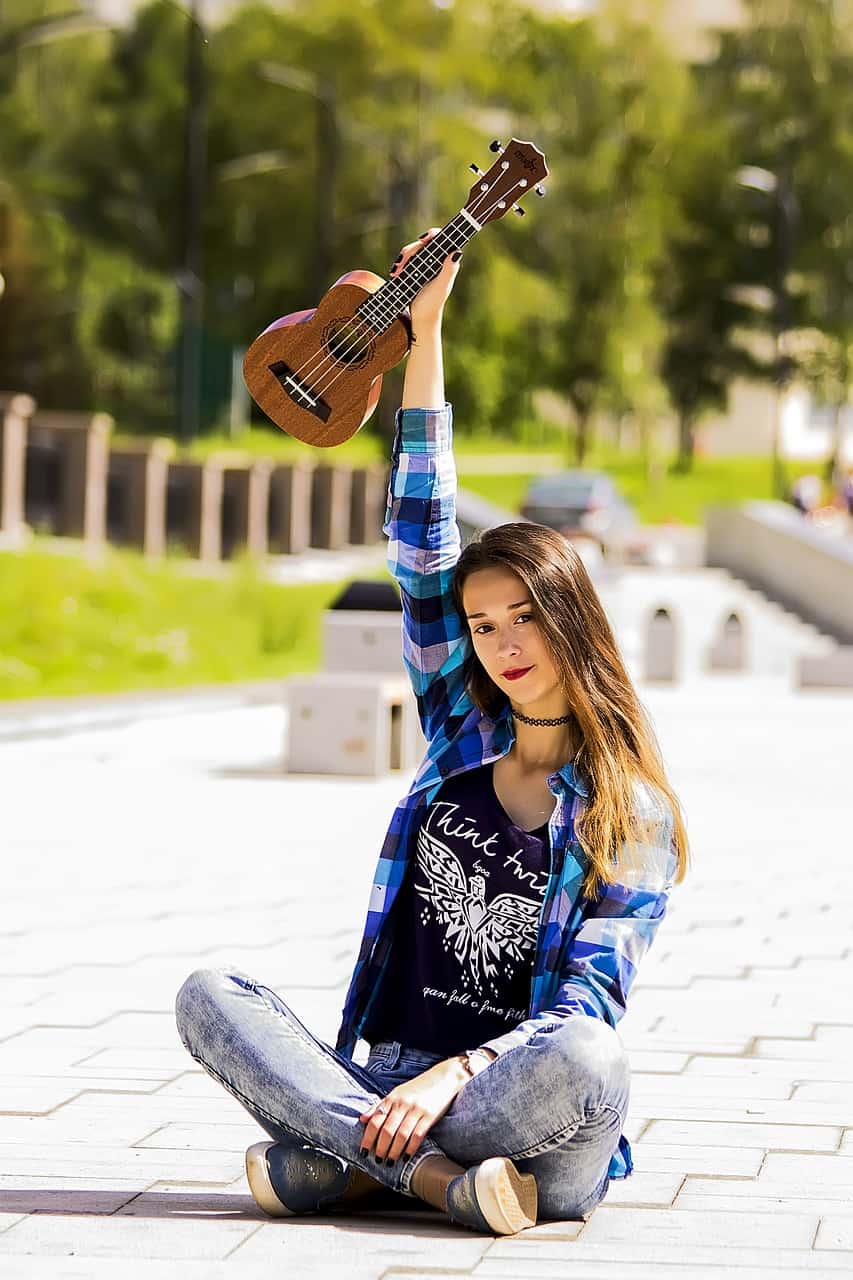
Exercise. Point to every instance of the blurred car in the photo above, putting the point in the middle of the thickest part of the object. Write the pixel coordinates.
(586, 505)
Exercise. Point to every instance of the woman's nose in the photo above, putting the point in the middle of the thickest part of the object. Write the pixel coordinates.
(508, 645)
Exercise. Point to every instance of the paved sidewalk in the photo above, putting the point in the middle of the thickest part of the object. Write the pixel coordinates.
(136, 852)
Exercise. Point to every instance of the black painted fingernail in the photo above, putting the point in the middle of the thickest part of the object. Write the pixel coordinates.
(389, 1161)
(363, 1151)
(456, 256)
(423, 235)
(398, 257)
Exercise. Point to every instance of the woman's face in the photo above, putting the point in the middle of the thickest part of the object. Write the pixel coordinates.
(506, 636)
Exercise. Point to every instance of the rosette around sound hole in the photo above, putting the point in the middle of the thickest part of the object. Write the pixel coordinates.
(348, 342)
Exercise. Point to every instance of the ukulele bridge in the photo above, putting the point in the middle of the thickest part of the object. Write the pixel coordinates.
(299, 392)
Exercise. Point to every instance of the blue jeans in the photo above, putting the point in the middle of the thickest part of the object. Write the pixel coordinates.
(555, 1104)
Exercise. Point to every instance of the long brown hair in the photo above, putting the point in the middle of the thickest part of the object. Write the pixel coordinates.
(618, 747)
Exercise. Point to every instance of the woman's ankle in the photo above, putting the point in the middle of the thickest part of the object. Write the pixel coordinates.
(432, 1177)
(360, 1184)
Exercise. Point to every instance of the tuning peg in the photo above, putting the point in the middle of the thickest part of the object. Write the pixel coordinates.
(495, 146)
(516, 208)
(540, 191)
(476, 168)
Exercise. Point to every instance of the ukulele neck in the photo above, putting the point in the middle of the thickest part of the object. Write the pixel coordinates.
(382, 308)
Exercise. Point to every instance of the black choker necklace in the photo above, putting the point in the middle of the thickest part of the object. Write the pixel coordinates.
(534, 720)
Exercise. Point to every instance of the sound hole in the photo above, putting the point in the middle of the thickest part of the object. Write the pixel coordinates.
(348, 342)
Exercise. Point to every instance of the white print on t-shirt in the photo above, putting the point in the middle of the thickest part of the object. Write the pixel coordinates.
(464, 998)
(536, 884)
(482, 934)
(443, 820)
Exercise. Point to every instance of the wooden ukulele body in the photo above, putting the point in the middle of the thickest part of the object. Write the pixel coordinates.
(318, 374)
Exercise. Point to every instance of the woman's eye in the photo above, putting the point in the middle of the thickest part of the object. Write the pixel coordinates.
(522, 617)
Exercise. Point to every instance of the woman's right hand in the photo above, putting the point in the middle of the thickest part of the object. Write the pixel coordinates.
(428, 305)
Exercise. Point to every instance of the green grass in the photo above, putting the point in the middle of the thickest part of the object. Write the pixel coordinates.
(657, 498)
(73, 627)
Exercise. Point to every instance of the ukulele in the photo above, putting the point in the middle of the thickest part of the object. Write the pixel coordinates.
(318, 373)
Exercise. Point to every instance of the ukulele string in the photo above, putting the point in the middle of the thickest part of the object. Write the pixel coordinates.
(325, 357)
(420, 275)
(419, 272)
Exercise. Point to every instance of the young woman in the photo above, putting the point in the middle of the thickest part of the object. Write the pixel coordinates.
(521, 881)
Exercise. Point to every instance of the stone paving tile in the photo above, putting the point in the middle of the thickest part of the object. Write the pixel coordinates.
(632, 1270)
(817, 1171)
(764, 1187)
(791, 1069)
(648, 1249)
(834, 1115)
(769, 1137)
(662, 1157)
(835, 1232)
(686, 1226)
(394, 1239)
(120, 1237)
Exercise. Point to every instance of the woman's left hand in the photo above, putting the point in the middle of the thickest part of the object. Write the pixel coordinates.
(398, 1122)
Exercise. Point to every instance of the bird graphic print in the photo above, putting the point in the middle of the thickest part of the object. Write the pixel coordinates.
(483, 935)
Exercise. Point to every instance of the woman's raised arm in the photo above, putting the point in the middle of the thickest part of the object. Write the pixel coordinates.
(420, 520)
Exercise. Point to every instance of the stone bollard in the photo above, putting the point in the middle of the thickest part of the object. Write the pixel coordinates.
(660, 656)
(289, 511)
(330, 507)
(367, 512)
(15, 412)
(71, 450)
(245, 508)
(136, 494)
(194, 507)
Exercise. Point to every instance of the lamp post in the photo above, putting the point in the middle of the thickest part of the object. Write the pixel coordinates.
(786, 210)
(324, 93)
(190, 276)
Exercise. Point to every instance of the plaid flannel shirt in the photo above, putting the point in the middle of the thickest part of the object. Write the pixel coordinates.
(587, 953)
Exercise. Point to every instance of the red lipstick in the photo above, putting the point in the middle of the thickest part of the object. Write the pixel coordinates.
(515, 673)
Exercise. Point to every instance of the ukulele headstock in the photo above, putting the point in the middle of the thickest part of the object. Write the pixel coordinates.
(519, 167)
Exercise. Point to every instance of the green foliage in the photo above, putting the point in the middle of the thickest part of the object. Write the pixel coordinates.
(334, 132)
(79, 628)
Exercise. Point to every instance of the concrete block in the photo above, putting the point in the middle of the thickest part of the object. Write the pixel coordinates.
(833, 670)
(344, 723)
(362, 640)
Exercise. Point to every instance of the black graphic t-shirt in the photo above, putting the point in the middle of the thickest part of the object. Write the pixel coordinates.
(465, 923)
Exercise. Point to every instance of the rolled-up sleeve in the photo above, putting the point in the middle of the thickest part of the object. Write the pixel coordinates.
(423, 549)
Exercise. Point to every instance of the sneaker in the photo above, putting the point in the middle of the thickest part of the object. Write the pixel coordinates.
(493, 1197)
(290, 1180)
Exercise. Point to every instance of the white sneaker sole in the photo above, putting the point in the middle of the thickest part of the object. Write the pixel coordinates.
(260, 1186)
(508, 1199)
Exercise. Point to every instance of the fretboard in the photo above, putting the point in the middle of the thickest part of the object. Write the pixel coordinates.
(382, 308)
